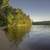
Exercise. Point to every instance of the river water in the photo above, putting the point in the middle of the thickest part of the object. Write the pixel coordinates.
(37, 38)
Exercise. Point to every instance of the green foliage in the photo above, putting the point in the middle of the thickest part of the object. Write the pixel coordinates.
(5, 9)
(18, 25)
(3, 3)
(17, 22)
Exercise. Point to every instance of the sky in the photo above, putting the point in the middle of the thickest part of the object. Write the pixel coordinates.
(38, 10)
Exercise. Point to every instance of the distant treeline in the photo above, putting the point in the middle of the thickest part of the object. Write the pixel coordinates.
(41, 23)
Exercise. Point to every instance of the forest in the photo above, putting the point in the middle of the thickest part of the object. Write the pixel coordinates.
(41, 23)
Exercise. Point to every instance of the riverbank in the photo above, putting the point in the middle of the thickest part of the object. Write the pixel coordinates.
(4, 42)
(41, 23)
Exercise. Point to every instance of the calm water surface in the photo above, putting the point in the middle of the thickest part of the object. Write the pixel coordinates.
(39, 35)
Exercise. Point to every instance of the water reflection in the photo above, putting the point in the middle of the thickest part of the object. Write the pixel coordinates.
(41, 28)
(39, 39)
(16, 34)
(39, 35)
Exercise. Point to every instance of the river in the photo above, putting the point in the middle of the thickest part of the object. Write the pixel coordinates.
(37, 38)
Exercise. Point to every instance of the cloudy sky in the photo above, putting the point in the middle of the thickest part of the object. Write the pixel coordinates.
(39, 10)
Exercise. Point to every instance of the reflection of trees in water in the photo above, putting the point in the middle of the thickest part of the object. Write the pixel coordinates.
(16, 35)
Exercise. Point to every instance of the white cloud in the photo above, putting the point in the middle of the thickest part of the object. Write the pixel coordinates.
(40, 18)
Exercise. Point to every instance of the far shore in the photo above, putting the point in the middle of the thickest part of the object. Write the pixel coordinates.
(41, 23)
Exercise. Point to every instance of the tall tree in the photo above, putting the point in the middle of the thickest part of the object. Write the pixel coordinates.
(3, 3)
(17, 22)
(5, 9)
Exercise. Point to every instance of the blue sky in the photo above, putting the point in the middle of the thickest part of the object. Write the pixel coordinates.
(39, 10)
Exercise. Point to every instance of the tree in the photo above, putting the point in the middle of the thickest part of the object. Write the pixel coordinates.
(16, 21)
(3, 3)
(5, 9)
(17, 25)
